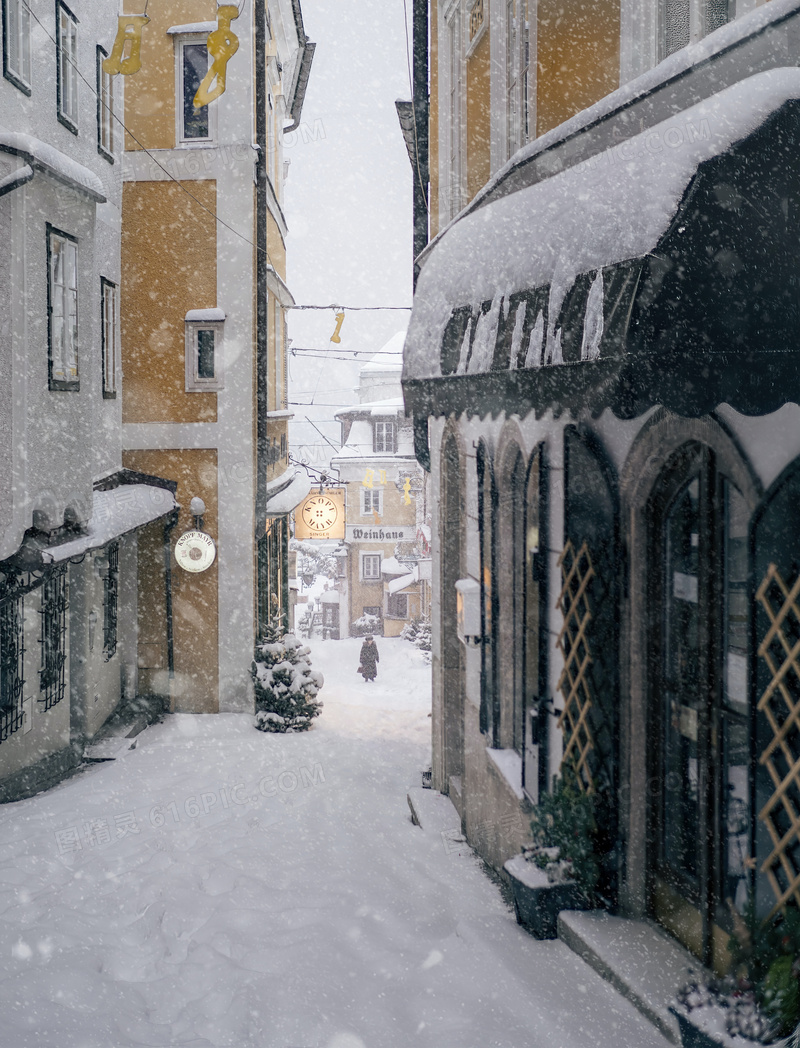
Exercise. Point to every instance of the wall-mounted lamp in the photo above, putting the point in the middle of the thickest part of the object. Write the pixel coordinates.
(197, 508)
(92, 628)
(468, 612)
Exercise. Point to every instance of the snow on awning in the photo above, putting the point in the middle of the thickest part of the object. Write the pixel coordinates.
(628, 264)
(53, 162)
(205, 316)
(115, 513)
(286, 492)
(392, 566)
(396, 585)
(192, 27)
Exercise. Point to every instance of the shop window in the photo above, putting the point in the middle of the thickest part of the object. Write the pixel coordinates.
(397, 606)
(371, 567)
(11, 666)
(371, 502)
(194, 125)
(62, 306)
(52, 675)
(67, 67)
(108, 335)
(384, 440)
(105, 109)
(17, 44)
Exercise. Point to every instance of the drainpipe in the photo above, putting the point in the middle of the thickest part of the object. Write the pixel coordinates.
(169, 524)
(421, 118)
(261, 270)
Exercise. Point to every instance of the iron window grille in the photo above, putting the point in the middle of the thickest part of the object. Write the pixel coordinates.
(385, 438)
(12, 651)
(111, 603)
(52, 676)
(67, 66)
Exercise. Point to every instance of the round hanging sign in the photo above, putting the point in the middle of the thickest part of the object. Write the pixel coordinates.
(195, 551)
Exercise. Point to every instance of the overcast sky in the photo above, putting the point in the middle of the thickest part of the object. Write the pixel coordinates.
(348, 201)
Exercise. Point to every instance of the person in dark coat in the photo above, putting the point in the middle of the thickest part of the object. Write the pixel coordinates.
(369, 659)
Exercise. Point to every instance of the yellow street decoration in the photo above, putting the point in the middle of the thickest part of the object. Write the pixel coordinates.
(368, 478)
(129, 35)
(222, 45)
(382, 476)
(339, 322)
(407, 491)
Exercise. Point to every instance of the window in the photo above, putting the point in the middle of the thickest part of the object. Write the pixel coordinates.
(52, 676)
(453, 111)
(17, 43)
(371, 502)
(384, 438)
(204, 342)
(62, 307)
(512, 83)
(108, 295)
(717, 14)
(195, 124)
(110, 600)
(371, 567)
(397, 606)
(11, 663)
(67, 67)
(105, 109)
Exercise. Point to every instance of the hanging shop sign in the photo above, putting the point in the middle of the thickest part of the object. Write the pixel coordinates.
(321, 515)
(195, 551)
(222, 44)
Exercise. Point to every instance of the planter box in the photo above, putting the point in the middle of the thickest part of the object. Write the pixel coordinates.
(705, 1028)
(537, 902)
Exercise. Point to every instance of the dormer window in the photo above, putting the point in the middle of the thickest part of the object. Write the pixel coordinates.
(384, 438)
(204, 351)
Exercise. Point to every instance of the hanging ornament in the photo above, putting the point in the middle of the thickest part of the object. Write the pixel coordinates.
(129, 34)
(339, 322)
(222, 45)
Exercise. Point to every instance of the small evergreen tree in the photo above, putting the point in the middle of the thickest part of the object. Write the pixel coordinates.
(285, 684)
(423, 637)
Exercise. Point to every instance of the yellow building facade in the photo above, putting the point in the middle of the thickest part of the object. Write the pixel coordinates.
(203, 308)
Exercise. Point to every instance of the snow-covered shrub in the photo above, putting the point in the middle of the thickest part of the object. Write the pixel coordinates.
(285, 684)
(365, 625)
(423, 638)
(563, 828)
(409, 631)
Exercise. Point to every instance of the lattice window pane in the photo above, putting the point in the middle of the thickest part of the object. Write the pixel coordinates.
(780, 704)
(573, 642)
(52, 677)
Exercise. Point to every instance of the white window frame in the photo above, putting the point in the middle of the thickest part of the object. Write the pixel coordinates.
(62, 303)
(182, 41)
(109, 316)
(452, 90)
(390, 614)
(67, 66)
(371, 559)
(105, 108)
(17, 44)
(519, 67)
(194, 382)
(384, 450)
(369, 496)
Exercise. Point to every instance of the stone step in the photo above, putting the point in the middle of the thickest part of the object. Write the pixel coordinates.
(432, 811)
(108, 749)
(639, 960)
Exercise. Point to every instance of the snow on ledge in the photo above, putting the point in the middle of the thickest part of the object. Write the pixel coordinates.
(192, 27)
(53, 162)
(205, 316)
(509, 764)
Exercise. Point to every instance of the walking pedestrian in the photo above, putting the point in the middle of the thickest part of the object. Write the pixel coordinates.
(369, 659)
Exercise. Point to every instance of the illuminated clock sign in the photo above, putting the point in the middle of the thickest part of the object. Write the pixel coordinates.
(195, 551)
(321, 516)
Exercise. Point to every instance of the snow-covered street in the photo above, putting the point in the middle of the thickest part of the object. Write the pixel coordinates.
(217, 886)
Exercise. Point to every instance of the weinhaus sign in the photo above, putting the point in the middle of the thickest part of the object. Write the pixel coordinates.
(357, 533)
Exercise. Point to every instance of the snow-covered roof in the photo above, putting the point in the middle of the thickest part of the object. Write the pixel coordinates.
(390, 406)
(612, 208)
(114, 513)
(205, 316)
(46, 158)
(286, 492)
(329, 597)
(396, 585)
(392, 566)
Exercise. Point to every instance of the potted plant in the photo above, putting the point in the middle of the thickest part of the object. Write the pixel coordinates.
(559, 870)
(759, 1003)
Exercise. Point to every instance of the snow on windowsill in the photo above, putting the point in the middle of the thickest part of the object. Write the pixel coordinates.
(509, 764)
(191, 27)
